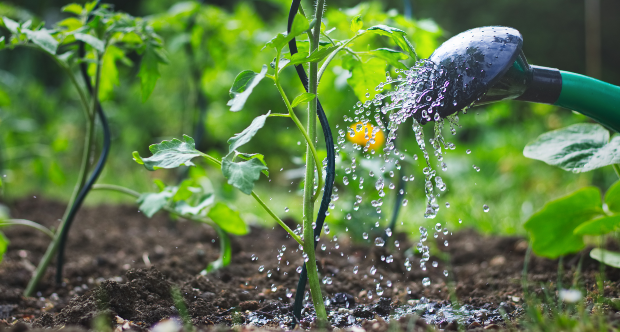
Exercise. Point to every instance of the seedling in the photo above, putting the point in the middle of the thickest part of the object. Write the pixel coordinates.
(95, 39)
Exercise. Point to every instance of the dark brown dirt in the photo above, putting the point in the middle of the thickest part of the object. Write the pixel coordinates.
(123, 266)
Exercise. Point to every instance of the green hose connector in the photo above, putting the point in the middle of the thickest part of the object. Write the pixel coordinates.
(591, 97)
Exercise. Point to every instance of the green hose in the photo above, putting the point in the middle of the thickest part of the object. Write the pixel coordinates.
(591, 97)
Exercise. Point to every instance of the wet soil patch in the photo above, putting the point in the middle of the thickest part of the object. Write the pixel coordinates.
(123, 266)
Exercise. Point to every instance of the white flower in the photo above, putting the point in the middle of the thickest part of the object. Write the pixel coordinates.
(570, 295)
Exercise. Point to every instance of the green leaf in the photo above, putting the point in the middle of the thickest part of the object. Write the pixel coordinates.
(241, 89)
(185, 208)
(551, 229)
(11, 25)
(242, 175)
(93, 41)
(170, 154)
(300, 25)
(316, 56)
(225, 252)
(4, 244)
(2, 43)
(600, 226)
(390, 56)
(150, 203)
(248, 156)
(578, 148)
(246, 135)
(356, 23)
(43, 39)
(73, 8)
(397, 35)
(228, 219)
(364, 76)
(607, 257)
(149, 70)
(303, 98)
(109, 72)
(612, 197)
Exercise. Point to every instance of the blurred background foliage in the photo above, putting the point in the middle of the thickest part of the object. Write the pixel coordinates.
(41, 126)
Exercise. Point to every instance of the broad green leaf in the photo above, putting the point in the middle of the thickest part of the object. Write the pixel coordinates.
(150, 203)
(247, 133)
(93, 41)
(397, 35)
(228, 219)
(149, 70)
(303, 98)
(248, 156)
(607, 257)
(71, 23)
(300, 25)
(4, 244)
(11, 25)
(183, 191)
(612, 198)
(356, 23)
(43, 39)
(600, 226)
(551, 229)
(109, 72)
(390, 56)
(73, 8)
(242, 175)
(364, 76)
(184, 208)
(225, 252)
(244, 83)
(170, 154)
(578, 148)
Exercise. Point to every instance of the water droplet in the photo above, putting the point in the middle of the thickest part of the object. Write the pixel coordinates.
(286, 209)
(269, 274)
(373, 270)
(445, 273)
(355, 269)
(299, 269)
(379, 242)
(326, 228)
(273, 287)
(468, 151)
(438, 227)
(485, 208)
(365, 236)
(289, 293)
(396, 244)
(447, 204)
(435, 264)
(388, 232)
(426, 282)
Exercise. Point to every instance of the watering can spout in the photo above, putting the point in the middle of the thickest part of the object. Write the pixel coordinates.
(491, 65)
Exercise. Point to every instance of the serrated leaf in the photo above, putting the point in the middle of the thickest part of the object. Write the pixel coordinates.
(246, 135)
(390, 56)
(357, 23)
(151, 203)
(241, 89)
(43, 39)
(93, 41)
(607, 257)
(299, 26)
(109, 72)
(149, 71)
(242, 175)
(225, 252)
(578, 148)
(184, 208)
(248, 156)
(397, 35)
(599, 226)
(11, 25)
(73, 8)
(303, 98)
(228, 219)
(364, 76)
(551, 229)
(612, 197)
(4, 244)
(170, 154)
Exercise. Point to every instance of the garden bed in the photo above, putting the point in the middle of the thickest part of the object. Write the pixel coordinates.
(123, 265)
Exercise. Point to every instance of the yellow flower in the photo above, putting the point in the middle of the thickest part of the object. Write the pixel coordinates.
(365, 134)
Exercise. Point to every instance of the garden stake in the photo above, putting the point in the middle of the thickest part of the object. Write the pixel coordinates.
(94, 176)
(330, 172)
(487, 64)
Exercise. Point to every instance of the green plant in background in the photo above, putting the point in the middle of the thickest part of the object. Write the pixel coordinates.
(559, 228)
(109, 36)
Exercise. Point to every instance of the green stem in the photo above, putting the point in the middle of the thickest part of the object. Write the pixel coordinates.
(280, 222)
(616, 169)
(333, 54)
(82, 175)
(308, 218)
(28, 223)
(114, 187)
(284, 115)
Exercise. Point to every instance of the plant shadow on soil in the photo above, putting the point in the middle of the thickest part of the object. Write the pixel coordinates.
(122, 265)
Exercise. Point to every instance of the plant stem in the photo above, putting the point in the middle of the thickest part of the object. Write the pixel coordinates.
(308, 206)
(280, 222)
(24, 222)
(616, 169)
(333, 54)
(88, 140)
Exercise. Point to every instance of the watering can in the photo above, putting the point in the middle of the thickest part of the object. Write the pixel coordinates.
(487, 64)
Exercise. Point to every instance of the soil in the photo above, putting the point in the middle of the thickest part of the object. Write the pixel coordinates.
(124, 267)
